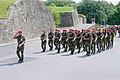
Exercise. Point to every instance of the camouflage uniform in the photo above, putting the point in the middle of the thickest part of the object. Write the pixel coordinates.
(20, 40)
(50, 40)
(88, 40)
(108, 40)
(43, 41)
(78, 41)
(93, 47)
(71, 42)
(64, 42)
(104, 40)
(112, 34)
(83, 41)
(57, 41)
(99, 41)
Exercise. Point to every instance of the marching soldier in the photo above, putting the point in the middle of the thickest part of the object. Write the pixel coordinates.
(104, 39)
(83, 42)
(99, 40)
(71, 40)
(108, 39)
(94, 39)
(43, 41)
(78, 40)
(88, 41)
(64, 42)
(20, 48)
(50, 39)
(112, 34)
(57, 40)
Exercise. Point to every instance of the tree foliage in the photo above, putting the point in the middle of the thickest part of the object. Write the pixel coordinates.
(95, 9)
(60, 3)
(114, 18)
(55, 14)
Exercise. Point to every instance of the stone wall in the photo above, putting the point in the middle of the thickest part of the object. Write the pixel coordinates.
(30, 15)
(68, 19)
(82, 20)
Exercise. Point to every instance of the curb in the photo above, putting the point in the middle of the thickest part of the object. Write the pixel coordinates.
(16, 42)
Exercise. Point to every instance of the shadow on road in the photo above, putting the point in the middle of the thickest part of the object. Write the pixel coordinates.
(66, 55)
(13, 61)
(84, 56)
(42, 52)
(53, 53)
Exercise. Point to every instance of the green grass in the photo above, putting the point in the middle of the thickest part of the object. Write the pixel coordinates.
(4, 6)
(63, 9)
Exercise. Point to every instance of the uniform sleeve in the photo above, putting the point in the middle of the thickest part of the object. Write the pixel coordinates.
(15, 37)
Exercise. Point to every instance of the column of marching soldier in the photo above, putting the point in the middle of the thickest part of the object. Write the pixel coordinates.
(92, 42)
(71, 40)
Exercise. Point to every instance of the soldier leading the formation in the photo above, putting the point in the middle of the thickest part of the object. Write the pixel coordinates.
(20, 48)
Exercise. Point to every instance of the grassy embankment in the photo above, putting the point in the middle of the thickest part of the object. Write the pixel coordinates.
(4, 6)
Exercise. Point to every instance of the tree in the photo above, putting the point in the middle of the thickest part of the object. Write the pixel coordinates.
(95, 9)
(60, 3)
(114, 18)
(55, 14)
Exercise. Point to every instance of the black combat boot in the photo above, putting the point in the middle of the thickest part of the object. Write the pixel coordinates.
(88, 54)
(58, 51)
(79, 51)
(43, 50)
(72, 52)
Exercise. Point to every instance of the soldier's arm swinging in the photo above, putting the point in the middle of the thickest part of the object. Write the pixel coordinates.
(102, 36)
(74, 37)
(81, 38)
(96, 37)
(21, 44)
(45, 37)
(16, 34)
(60, 37)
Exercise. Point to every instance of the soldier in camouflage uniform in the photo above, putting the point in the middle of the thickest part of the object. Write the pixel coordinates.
(20, 47)
(43, 41)
(108, 39)
(88, 41)
(50, 39)
(112, 34)
(83, 42)
(71, 40)
(104, 39)
(78, 40)
(57, 40)
(94, 40)
(99, 40)
(64, 42)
